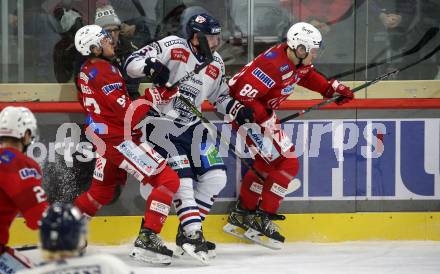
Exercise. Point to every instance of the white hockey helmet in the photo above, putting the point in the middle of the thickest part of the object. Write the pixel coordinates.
(15, 121)
(89, 36)
(304, 34)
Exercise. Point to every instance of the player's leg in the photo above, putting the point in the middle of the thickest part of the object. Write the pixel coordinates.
(192, 205)
(273, 192)
(147, 166)
(211, 179)
(277, 183)
(106, 177)
(249, 197)
(149, 247)
(189, 236)
(207, 187)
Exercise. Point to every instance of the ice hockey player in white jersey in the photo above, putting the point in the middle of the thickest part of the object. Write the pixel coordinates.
(179, 134)
(62, 234)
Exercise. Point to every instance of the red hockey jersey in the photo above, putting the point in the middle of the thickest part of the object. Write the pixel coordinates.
(270, 78)
(20, 191)
(104, 97)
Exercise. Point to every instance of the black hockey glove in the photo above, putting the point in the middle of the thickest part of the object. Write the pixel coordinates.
(159, 72)
(244, 115)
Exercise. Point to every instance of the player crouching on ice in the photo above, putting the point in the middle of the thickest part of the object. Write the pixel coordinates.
(259, 88)
(112, 116)
(62, 236)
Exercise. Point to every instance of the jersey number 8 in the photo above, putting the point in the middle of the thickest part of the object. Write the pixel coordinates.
(248, 91)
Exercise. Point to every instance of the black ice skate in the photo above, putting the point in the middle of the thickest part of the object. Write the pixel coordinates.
(262, 230)
(180, 238)
(236, 225)
(194, 245)
(150, 248)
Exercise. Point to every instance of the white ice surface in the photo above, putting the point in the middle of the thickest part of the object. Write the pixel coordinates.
(412, 257)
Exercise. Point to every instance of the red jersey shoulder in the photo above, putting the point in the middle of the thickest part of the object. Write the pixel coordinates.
(13, 161)
(274, 63)
(95, 70)
(100, 75)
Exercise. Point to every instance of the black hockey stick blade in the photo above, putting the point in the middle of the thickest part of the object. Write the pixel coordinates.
(367, 84)
(429, 34)
(26, 247)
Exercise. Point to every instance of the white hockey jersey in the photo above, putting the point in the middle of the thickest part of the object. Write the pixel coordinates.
(98, 263)
(209, 84)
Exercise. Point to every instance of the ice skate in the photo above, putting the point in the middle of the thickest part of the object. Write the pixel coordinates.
(150, 248)
(178, 252)
(193, 244)
(263, 231)
(236, 225)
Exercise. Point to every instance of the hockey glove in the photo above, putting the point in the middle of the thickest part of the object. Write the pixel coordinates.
(345, 92)
(244, 115)
(160, 95)
(158, 72)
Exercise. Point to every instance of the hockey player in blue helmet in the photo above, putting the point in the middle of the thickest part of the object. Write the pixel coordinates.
(62, 235)
(206, 24)
(179, 134)
(62, 231)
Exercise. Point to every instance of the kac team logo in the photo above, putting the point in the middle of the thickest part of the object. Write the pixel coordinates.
(26, 173)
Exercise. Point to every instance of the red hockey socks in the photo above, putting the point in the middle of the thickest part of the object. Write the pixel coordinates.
(158, 203)
(276, 185)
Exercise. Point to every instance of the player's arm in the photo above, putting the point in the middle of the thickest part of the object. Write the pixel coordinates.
(149, 61)
(327, 88)
(30, 198)
(220, 96)
(249, 87)
(231, 107)
(110, 85)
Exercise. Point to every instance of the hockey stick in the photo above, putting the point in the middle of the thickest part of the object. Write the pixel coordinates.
(26, 247)
(430, 33)
(367, 84)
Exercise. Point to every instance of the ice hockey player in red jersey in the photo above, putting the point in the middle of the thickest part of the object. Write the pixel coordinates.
(259, 88)
(111, 117)
(20, 181)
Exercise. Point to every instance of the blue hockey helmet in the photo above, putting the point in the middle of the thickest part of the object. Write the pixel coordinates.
(62, 228)
(203, 22)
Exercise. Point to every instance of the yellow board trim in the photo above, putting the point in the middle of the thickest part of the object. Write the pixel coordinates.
(334, 227)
